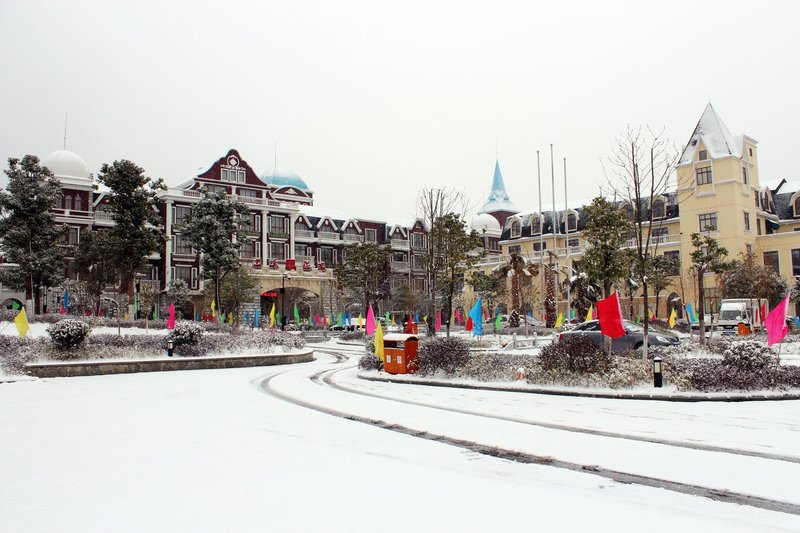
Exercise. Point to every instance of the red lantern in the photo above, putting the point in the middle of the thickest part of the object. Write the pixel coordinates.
(290, 264)
(306, 265)
(321, 266)
(257, 263)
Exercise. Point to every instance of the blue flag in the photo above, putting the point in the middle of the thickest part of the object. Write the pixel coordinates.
(349, 319)
(66, 298)
(416, 317)
(256, 320)
(476, 314)
(690, 313)
(247, 317)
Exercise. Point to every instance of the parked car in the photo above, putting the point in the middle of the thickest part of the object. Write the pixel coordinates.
(532, 322)
(632, 340)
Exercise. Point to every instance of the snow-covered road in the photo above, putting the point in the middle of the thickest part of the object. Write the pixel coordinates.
(218, 450)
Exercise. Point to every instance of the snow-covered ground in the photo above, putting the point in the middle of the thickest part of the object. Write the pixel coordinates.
(211, 450)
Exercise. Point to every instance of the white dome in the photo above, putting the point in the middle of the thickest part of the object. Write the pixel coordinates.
(64, 164)
(486, 223)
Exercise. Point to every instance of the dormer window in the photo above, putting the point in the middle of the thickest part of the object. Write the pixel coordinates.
(516, 229)
(659, 209)
(536, 225)
(703, 155)
(797, 207)
(628, 211)
(572, 222)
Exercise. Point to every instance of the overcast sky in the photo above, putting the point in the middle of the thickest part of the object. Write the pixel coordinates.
(372, 101)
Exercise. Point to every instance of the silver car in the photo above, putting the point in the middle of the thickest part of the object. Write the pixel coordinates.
(632, 340)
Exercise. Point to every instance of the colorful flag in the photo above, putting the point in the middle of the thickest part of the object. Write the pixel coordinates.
(370, 321)
(393, 323)
(438, 321)
(222, 318)
(230, 317)
(257, 319)
(690, 314)
(409, 325)
(14, 305)
(388, 318)
(125, 317)
(213, 306)
(469, 323)
(154, 317)
(349, 319)
(378, 342)
(775, 324)
(650, 313)
(416, 317)
(66, 299)
(476, 314)
(247, 317)
(425, 319)
(611, 316)
(559, 320)
(672, 317)
(296, 315)
(21, 321)
(457, 316)
(497, 322)
(763, 312)
(590, 314)
(171, 316)
(360, 321)
(271, 316)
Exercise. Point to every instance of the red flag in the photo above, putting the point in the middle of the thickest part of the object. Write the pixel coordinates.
(611, 316)
(469, 323)
(62, 310)
(171, 317)
(764, 313)
(409, 325)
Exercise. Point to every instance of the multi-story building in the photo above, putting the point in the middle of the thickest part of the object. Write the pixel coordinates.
(717, 192)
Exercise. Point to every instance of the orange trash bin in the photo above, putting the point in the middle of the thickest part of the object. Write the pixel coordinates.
(744, 329)
(400, 353)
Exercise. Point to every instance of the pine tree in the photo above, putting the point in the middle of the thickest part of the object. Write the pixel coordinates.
(365, 272)
(30, 237)
(604, 232)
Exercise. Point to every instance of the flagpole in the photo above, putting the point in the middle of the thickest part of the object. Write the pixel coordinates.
(566, 242)
(555, 226)
(541, 234)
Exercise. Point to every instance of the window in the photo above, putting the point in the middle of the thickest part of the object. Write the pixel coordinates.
(214, 189)
(418, 284)
(255, 223)
(675, 258)
(659, 210)
(514, 249)
(758, 226)
(78, 203)
(73, 235)
(573, 243)
(277, 250)
(797, 207)
(184, 273)
(746, 221)
(250, 250)
(751, 152)
(796, 262)
(703, 175)
(572, 222)
(629, 212)
(247, 193)
(232, 175)
(398, 257)
(536, 225)
(371, 235)
(538, 248)
(744, 175)
(659, 232)
(516, 229)
(708, 222)
(749, 249)
(351, 230)
(417, 262)
(418, 240)
(771, 261)
(301, 250)
(328, 255)
(68, 202)
(278, 225)
(180, 213)
(755, 195)
(703, 155)
(180, 246)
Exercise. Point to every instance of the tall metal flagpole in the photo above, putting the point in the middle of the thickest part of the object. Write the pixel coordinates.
(66, 119)
(541, 235)
(566, 241)
(555, 227)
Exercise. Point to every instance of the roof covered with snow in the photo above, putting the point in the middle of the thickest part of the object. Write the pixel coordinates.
(714, 135)
(498, 199)
(282, 177)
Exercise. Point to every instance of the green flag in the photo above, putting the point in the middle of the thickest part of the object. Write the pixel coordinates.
(15, 306)
(222, 318)
(296, 315)
(497, 322)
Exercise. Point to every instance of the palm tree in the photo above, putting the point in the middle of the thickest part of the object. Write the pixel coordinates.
(517, 269)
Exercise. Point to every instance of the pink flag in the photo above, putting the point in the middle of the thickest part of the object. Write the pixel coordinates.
(610, 316)
(63, 310)
(458, 316)
(171, 317)
(469, 323)
(371, 327)
(775, 324)
(324, 321)
(439, 321)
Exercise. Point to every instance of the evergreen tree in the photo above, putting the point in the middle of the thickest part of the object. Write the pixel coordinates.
(94, 263)
(490, 288)
(747, 279)
(604, 260)
(238, 287)
(178, 294)
(365, 272)
(134, 206)
(707, 256)
(211, 230)
(30, 237)
(458, 251)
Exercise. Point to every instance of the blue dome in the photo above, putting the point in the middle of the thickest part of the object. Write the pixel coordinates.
(281, 177)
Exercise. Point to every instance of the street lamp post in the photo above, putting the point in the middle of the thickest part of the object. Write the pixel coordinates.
(284, 277)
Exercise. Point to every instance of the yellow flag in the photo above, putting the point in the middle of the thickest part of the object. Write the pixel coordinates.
(230, 317)
(213, 305)
(360, 321)
(125, 317)
(22, 323)
(272, 316)
(559, 320)
(650, 313)
(379, 342)
(672, 316)
(393, 320)
(590, 314)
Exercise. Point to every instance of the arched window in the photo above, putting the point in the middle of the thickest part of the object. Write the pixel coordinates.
(68, 202)
(536, 224)
(659, 209)
(78, 203)
(516, 229)
(572, 222)
(628, 210)
(797, 207)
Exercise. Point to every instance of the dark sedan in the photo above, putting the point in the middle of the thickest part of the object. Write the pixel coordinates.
(632, 340)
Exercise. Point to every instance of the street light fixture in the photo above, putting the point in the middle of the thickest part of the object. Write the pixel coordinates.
(658, 376)
(284, 277)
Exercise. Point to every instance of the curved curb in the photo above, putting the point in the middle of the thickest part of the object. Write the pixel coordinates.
(677, 397)
(102, 368)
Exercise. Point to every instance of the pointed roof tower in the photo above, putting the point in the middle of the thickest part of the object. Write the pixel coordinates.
(498, 199)
(714, 135)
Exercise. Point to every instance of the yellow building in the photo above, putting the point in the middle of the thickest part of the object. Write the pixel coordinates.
(717, 192)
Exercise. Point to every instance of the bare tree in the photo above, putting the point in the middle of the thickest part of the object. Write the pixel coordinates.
(432, 205)
(639, 171)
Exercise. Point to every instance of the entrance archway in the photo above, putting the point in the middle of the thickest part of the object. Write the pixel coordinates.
(308, 304)
(9, 303)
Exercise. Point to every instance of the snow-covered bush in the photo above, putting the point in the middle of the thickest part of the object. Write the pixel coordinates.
(68, 333)
(575, 353)
(15, 352)
(370, 362)
(352, 336)
(448, 355)
(186, 333)
(496, 366)
(749, 355)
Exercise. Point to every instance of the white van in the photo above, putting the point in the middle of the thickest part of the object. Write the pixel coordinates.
(734, 311)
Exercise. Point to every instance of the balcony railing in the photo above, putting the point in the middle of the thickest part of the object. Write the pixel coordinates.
(349, 237)
(329, 235)
(303, 234)
(657, 240)
(399, 243)
(400, 266)
(299, 259)
(102, 216)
